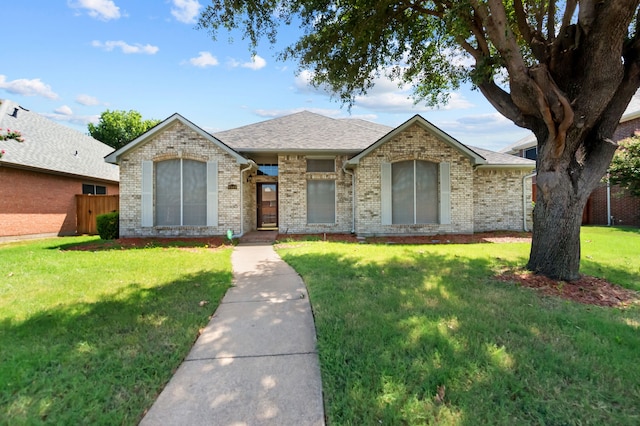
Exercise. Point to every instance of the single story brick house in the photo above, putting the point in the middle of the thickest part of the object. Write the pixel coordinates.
(41, 176)
(307, 173)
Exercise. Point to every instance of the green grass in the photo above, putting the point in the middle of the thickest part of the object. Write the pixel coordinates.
(424, 335)
(91, 337)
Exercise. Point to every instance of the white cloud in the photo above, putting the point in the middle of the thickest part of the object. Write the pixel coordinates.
(490, 131)
(87, 100)
(126, 47)
(82, 120)
(257, 62)
(205, 59)
(100, 9)
(385, 96)
(63, 110)
(22, 86)
(185, 10)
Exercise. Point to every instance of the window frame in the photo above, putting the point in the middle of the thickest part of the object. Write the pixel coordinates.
(94, 188)
(414, 192)
(319, 161)
(181, 186)
(335, 202)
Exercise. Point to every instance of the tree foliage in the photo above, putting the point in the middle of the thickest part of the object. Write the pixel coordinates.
(118, 128)
(565, 69)
(625, 166)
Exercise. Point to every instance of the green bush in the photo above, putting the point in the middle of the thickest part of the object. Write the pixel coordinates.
(108, 225)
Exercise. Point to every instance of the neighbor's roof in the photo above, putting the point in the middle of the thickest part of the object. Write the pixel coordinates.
(304, 132)
(498, 159)
(632, 112)
(52, 147)
(115, 156)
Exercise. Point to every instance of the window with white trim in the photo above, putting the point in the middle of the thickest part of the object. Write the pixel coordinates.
(181, 193)
(415, 192)
(321, 201)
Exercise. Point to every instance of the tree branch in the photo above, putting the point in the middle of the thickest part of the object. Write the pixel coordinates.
(551, 20)
(521, 19)
(503, 103)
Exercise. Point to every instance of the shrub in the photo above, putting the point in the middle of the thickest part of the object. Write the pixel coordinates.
(108, 225)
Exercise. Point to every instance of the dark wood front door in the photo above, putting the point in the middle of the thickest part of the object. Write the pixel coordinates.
(267, 205)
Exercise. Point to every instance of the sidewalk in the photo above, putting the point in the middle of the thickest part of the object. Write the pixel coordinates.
(256, 362)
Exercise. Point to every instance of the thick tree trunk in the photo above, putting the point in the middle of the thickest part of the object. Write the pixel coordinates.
(555, 248)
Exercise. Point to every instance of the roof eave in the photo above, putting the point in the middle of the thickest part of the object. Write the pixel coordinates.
(506, 166)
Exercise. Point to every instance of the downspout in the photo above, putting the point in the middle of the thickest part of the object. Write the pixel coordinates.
(353, 197)
(524, 201)
(608, 201)
(242, 180)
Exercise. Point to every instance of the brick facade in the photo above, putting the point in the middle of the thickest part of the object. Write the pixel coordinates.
(35, 203)
(498, 199)
(179, 141)
(481, 199)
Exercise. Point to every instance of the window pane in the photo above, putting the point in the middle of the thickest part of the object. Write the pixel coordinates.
(267, 170)
(321, 201)
(194, 192)
(531, 153)
(402, 192)
(426, 192)
(168, 193)
(314, 165)
(101, 190)
(88, 189)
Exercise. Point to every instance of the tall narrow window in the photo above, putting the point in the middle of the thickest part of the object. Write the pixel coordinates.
(321, 201)
(414, 188)
(181, 193)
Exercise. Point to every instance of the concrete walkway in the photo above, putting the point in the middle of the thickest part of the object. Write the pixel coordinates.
(256, 362)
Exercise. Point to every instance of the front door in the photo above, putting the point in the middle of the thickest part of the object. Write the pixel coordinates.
(267, 205)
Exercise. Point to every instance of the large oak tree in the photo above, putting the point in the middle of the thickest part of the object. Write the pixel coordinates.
(566, 69)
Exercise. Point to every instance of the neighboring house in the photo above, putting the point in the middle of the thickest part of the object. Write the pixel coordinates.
(40, 177)
(607, 205)
(306, 173)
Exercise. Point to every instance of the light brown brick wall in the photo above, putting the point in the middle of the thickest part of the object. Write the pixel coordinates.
(413, 144)
(292, 193)
(33, 203)
(498, 199)
(179, 141)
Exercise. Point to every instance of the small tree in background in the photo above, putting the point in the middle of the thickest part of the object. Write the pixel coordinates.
(118, 128)
(625, 166)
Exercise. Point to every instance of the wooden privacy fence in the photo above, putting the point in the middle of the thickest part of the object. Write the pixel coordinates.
(88, 207)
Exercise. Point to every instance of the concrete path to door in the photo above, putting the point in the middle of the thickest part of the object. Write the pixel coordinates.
(256, 362)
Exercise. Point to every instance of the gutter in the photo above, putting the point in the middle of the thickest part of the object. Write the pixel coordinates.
(524, 201)
(242, 181)
(353, 197)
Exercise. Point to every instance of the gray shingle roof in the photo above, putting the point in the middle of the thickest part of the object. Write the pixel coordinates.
(304, 131)
(506, 160)
(52, 147)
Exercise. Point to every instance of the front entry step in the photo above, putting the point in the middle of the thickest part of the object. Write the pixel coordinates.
(259, 237)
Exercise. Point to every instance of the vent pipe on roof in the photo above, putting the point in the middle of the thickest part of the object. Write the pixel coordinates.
(14, 114)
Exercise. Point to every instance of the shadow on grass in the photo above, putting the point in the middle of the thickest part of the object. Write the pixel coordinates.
(424, 338)
(102, 362)
(98, 244)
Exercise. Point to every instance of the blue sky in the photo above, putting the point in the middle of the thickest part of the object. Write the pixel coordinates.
(72, 59)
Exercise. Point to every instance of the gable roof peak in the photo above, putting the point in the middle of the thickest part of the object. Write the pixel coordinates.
(116, 155)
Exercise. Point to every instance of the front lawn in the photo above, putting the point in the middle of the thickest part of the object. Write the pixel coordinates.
(425, 335)
(91, 337)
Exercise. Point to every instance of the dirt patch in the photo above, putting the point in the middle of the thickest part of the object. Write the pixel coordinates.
(587, 290)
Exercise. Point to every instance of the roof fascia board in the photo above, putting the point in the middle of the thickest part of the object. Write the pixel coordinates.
(417, 119)
(115, 156)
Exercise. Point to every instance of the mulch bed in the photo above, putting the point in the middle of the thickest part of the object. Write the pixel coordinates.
(587, 290)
